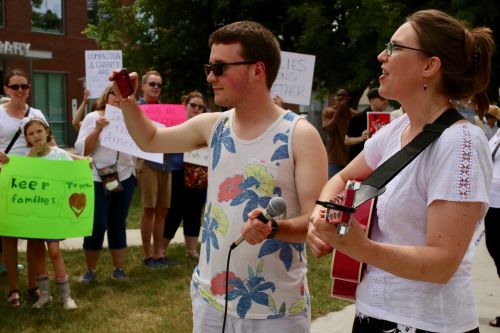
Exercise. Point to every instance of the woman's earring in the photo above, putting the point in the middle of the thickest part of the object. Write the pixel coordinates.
(425, 84)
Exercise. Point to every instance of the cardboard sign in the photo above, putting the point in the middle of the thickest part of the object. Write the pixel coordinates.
(46, 199)
(98, 66)
(166, 114)
(376, 120)
(198, 156)
(117, 137)
(295, 77)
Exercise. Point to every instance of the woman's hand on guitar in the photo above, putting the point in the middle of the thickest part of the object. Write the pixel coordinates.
(317, 245)
(321, 231)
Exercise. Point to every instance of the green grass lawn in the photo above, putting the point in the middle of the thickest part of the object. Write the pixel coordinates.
(152, 301)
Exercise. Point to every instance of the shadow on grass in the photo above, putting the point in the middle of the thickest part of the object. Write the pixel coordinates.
(153, 300)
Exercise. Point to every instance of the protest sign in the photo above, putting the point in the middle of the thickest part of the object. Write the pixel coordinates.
(166, 114)
(116, 136)
(295, 77)
(98, 66)
(198, 156)
(46, 199)
(376, 120)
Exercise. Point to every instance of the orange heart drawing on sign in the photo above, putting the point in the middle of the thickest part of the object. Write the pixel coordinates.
(77, 203)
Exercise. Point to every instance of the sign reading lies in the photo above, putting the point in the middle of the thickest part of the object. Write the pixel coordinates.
(295, 77)
(46, 199)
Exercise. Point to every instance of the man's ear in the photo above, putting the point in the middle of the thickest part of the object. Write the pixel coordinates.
(260, 70)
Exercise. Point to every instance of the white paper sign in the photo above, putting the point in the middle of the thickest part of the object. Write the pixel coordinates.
(117, 137)
(98, 66)
(295, 77)
(198, 157)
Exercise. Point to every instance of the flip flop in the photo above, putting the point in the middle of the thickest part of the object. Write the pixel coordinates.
(15, 301)
(495, 322)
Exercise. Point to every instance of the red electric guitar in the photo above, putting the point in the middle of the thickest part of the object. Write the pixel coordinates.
(347, 272)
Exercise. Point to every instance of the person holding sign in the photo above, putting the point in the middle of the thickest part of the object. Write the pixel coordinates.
(419, 255)
(357, 132)
(189, 191)
(37, 134)
(114, 184)
(17, 87)
(257, 151)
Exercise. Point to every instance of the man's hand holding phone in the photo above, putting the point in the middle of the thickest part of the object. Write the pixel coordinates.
(124, 84)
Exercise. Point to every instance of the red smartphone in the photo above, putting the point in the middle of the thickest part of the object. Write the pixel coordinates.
(124, 84)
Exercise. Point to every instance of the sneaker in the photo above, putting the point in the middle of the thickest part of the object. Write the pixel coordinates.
(165, 262)
(88, 276)
(151, 263)
(69, 304)
(119, 274)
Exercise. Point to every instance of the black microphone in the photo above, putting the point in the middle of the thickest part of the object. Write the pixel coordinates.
(275, 207)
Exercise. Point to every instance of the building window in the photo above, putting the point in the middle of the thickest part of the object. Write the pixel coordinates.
(1, 14)
(46, 16)
(49, 96)
(92, 7)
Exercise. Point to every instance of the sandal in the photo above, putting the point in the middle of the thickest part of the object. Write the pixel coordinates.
(495, 322)
(14, 301)
(34, 293)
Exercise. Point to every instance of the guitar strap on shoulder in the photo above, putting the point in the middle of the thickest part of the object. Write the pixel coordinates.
(374, 184)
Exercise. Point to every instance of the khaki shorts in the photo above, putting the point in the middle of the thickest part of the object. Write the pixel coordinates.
(155, 187)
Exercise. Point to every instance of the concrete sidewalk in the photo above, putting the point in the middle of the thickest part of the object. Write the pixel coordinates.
(486, 286)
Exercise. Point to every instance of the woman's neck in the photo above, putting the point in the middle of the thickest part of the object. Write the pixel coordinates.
(15, 109)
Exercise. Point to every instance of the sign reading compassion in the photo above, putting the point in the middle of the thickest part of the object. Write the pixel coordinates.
(46, 199)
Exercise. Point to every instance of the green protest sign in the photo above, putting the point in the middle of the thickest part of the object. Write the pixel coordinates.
(46, 199)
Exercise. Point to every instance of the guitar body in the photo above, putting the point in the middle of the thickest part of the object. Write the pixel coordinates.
(347, 272)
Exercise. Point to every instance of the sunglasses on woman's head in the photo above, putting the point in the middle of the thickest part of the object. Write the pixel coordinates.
(23, 86)
(197, 106)
(218, 67)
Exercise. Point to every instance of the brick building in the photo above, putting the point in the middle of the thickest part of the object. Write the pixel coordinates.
(44, 38)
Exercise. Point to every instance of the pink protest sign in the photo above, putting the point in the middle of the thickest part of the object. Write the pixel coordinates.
(166, 114)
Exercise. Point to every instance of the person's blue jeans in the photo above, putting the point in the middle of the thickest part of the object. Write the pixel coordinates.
(110, 214)
(333, 169)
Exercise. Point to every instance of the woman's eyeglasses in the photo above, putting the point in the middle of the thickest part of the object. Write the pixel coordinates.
(218, 68)
(197, 106)
(391, 46)
(23, 86)
(154, 84)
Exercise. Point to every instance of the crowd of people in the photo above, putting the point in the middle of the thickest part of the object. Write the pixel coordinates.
(419, 251)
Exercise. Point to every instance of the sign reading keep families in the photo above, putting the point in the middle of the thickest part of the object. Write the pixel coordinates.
(98, 66)
(295, 77)
(46, 199)
(116, 136)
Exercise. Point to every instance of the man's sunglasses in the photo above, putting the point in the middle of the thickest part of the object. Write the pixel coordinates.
(218, 68)
(197, 106)
(154, 84)
(23, 86)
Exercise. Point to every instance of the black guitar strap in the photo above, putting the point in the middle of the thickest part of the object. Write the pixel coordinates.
(16, 135)
(374, 184)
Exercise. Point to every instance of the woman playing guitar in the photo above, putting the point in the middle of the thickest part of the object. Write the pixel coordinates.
(418, 257)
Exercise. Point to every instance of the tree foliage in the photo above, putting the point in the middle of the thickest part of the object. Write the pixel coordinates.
(345, 35)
